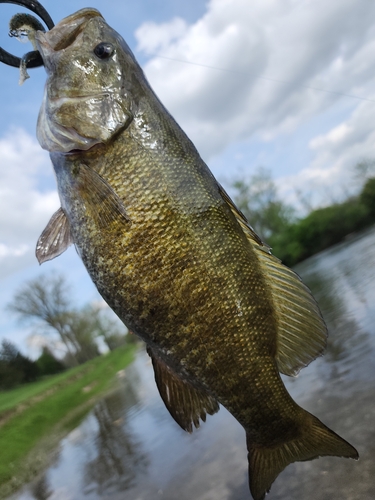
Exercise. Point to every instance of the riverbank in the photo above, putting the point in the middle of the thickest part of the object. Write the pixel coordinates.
(34, 417)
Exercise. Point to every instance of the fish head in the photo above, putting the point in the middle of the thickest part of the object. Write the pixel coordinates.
(87, 94)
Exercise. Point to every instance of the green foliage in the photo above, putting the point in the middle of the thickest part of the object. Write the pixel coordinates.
(9, 376)
(367, 197)
(286, 246)
(14, 367)
(48, 364)
(259, 202)
(321, 229)
(327, 226)
(293, 240)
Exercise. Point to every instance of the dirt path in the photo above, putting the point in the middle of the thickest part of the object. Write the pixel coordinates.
(7, 415)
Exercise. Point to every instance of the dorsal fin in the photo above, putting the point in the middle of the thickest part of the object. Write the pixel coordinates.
(55, 238)
(302, 333)
(185, 403)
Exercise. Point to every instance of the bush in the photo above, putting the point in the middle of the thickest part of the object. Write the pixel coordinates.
(14, 367)
(48, 364)
(323, 228)
(367, 197)
(9, 376)
(327, 226)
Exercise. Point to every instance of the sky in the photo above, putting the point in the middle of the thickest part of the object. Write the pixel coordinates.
(288, 85)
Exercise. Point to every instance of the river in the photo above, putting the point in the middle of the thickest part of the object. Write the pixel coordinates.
(129, 448)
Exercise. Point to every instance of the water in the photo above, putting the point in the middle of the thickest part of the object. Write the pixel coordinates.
(129, 447)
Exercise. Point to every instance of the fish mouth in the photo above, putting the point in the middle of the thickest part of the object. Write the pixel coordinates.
(91, 149)
(63, 34)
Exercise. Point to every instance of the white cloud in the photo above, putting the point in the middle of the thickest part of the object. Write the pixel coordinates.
(152, 37)
(25, 207)
(276, 52)
(334, 136)
(331, 175)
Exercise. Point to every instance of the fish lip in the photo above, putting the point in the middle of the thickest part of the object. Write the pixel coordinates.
(64, 33)
(79, 152)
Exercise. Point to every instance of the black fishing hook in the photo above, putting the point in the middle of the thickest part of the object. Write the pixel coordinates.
(31, 59)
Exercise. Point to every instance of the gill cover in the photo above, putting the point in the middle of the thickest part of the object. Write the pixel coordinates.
(85, 99)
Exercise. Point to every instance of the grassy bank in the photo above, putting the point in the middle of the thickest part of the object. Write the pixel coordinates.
(31, 413)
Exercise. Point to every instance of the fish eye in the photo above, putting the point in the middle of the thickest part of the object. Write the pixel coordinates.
(104, 50)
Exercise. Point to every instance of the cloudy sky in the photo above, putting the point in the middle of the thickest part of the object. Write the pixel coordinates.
(284, 84)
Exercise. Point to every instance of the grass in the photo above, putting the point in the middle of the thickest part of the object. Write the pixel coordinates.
(54, 402)
(11, 399)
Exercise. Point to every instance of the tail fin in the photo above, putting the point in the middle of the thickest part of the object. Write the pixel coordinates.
(316, 440)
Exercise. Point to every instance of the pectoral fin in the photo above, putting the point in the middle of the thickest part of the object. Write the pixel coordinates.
(102, 202)
(184, 402)
(55, 239)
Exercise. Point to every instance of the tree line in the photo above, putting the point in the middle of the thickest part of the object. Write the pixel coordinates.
(294, 239)
(16, 369)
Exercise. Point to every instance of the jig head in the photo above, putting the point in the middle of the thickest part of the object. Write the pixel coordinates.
(31, 59)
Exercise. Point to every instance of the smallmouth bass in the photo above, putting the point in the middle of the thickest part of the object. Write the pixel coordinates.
(172, 255)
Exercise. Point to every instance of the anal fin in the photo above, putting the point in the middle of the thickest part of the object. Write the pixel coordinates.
(55, 238)
(185, 403)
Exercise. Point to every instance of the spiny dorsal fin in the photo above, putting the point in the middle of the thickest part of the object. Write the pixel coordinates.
(302, 333)
(101, 200)
(55, 239)
(184, 402)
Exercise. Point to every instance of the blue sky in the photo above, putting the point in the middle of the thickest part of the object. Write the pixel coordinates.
(241, 77)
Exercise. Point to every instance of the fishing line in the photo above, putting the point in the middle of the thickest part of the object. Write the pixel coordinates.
(243, 73)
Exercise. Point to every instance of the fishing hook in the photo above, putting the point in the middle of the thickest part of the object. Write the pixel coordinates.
(31, 59)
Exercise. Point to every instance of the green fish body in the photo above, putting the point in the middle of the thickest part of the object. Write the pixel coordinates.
(172, 255)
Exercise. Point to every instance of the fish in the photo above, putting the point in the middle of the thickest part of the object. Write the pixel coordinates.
(172, 255)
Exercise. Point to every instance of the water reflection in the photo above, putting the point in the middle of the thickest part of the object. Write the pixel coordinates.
(343, 282)
(41, 490)
(345, 332)
(118, 454)
(129, 448)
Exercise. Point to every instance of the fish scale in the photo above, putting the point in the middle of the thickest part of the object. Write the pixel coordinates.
(171, 253)
(156, 273)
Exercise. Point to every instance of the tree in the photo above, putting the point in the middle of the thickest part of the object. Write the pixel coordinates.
(82, 333)
(258, 199)
(367, 197)
(48, 364)
(14, 367)
(108, 326)
(46, 303)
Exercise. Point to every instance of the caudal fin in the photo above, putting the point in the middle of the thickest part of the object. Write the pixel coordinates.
(316, 440)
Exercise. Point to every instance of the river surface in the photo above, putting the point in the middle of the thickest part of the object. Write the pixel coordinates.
(129, 448)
